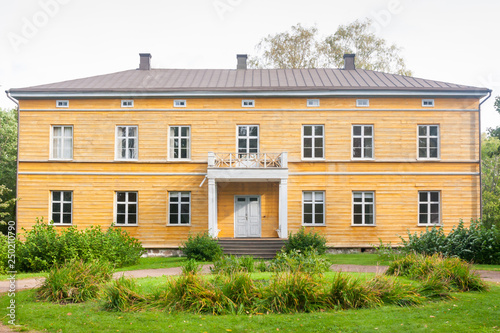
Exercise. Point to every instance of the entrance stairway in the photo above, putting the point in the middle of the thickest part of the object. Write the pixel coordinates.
(265, 248)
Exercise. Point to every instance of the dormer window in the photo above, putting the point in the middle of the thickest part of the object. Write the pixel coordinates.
(62, 104)
(363, 103)
(127, 103)
(428, 103)
(248, 103)
(179, 103)
(313, 102)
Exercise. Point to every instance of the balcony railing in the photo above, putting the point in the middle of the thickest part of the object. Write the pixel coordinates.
(252, 160)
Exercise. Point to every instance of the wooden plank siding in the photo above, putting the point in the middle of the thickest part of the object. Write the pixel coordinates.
(397, 174)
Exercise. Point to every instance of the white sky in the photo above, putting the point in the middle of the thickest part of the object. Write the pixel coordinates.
(44, 41)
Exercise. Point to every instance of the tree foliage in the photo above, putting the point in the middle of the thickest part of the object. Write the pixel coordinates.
(302, 48)
(8, 165)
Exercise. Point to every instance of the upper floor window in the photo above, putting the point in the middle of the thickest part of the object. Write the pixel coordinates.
(313, 102)
(62, 104)
(429, 103)
(126, 142)
(248, 103)
(362, 102)
(179, 208)
(62, 142)
(179, 103)
(428, 141)
(313, 141)
(248, 139)
(180, 137)
(362, 141)
(428, 208)
(363, 208)
(62, 207)
(127, 103)
(313, 209)
(126, 208)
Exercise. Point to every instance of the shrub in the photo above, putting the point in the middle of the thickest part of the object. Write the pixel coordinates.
(201, 247)
(75, 281)
(4, 254)
(232, 264)
(190, 267)
(302, 241)
(308, 261)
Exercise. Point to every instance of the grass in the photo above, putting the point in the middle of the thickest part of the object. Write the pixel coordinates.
(468, 312)
(365, 259)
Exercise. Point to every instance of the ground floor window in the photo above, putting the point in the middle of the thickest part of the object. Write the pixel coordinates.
(126, 208)
(363, 208)
(179, 208)
(313, 207)
(428, 207)
(62, 207)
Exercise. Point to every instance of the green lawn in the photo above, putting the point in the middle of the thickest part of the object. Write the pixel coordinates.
(468, 312)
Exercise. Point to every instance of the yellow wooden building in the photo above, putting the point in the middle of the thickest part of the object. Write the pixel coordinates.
(357, 155)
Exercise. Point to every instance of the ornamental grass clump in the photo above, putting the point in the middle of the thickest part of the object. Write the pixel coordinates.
(304, 261)
(75, 281)
(392, 291)
(346, 292)
(239, 288)
(122, 295)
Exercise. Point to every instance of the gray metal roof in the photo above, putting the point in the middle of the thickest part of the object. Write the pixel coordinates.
(248, 80)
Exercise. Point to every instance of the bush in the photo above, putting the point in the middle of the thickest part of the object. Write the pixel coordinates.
(4, 248)
(191, 267)
(75, 281)
(201, 247)
(44, 246)
(233, 264)
(302, 241)
(307, 261)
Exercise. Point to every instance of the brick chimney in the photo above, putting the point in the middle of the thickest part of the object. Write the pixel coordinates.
(145, 61)
(349, 61)
(242, 61)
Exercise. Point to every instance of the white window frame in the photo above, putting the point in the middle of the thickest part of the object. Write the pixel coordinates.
(313, 103)
(127, 204)
(62, 142)
(313, 136)
(363, 103)
(429, 204)
(179, 204)
(427, 139)
(247, 138)
(428, 103)
(363, 204)
(127, 103)
(118, 147)
(62, 104)
(179, 103)
(313, 202)
(248, 103)
(61, 212)
(171, 139)
(362, 136)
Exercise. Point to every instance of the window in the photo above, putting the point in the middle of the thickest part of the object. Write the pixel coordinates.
(428, 141)
(363, 208)
(179, 103)
(313, 102)
(313, 208)
(127, 103)
(362, 141)
(62, 207)
(313, 141)
(363, 103)
(248, 103)
(428, 208)
(179, 207)
(62, 104)
(126, 208)
(248, 139)
(179, 142)
(429, 103)
(62, 142)
(126, 142)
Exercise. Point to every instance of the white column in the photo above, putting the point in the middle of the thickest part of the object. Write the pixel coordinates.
(283, 209)
(212, 208)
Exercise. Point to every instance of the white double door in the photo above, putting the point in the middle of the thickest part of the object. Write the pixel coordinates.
(247, 216)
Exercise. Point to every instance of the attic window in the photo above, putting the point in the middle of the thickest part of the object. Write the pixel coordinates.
(62, 104)
(428, 103)
(179, 103)
(313, 102)
(248, 103)
(363, 103)
(127, 103)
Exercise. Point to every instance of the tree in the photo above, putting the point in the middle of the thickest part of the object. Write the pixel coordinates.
(302, 48)
(8, 165)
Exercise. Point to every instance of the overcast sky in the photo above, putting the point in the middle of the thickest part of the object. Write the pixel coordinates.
(44, 41)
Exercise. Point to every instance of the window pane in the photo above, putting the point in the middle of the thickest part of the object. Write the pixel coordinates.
(67, 196)
(369, 196)
(318, 196)
(174, 197)
(422, 152)
(357, 196)
(318, 142)
(67, 218)
(435, 196)
(132, 208)
(120, 219)
(422, 130)
(120, 209)
(356, 142)
(318, 208)
(308, 130)
(307, 196)
(422, 196)
(318, 152)
(435, 218)
(174, 131)
(174, 208)
(433, 152)
(307, 152)
(318, 130)
(367, 142)
(433, 130)
(185, 131)
(174, 219)
(131, 131)
(358, 209)
(185, 208)
(356, 130)
(253, 143)
(308, 218)
(368, 209)
(184, 153)
(56, 217)
(307, 142)
(369, 219)
(254, 131)
(368, 153)
(67, 208)
(356, 152)
(423, 208)
(318, 218)
(132, 196)
(185, 218)
(120, 196)
(68, 131)
(308, 208)
(368, 130)
(242, 130)
(184, 143)
(56, 196)
(422, 143)
(434, 208)
(433, 142)
(242, 143)
(358, 219)
(422, 219)
(56, 207)
(132, 218)
(57, 130)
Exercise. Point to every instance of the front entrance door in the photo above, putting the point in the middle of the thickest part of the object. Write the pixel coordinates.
(247, 216)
